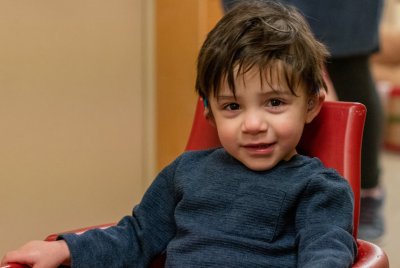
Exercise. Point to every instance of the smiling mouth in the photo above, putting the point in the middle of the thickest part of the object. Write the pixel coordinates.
(259, 146)
(260, 149)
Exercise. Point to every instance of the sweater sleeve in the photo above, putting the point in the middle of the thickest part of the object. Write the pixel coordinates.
(136, 239)
(325, 223)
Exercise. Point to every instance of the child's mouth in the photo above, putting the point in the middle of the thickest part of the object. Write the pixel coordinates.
(263, 148)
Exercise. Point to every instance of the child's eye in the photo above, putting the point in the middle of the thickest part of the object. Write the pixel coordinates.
(231, 106)
(274, 102)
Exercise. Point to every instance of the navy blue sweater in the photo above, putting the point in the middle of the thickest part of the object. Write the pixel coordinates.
(206, 209)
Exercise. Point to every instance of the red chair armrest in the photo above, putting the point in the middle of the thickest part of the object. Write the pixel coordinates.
(53, 237)
(14, 265)
(370, 255)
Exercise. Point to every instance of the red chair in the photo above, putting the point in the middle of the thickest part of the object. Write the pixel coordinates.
(334, 136)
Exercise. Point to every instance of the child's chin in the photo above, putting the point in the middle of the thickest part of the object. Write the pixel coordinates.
(260, 165)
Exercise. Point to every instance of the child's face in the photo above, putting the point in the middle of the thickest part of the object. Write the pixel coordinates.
(261, 126)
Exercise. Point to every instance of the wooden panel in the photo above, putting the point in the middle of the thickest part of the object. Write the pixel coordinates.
(180, 29)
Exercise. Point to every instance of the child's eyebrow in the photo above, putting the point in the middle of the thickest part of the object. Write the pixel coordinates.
(226, 98)
(277, 93)
(223, 97)
(268, 93)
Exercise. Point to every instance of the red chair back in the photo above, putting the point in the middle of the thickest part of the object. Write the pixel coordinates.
(334, 136)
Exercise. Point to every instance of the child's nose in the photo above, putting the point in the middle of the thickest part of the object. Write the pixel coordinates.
(254, 123)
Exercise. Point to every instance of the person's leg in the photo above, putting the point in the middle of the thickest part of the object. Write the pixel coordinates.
(353, 81)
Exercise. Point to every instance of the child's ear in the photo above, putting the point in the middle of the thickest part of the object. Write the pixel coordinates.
(314, 105)
(207, 112)
(208, 115)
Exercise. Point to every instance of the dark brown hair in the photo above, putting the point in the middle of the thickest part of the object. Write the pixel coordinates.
(261, 34)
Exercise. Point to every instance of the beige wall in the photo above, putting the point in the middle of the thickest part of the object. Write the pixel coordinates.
(391, 15)
(75, 113)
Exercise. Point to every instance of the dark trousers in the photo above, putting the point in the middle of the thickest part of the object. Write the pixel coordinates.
(352, 79)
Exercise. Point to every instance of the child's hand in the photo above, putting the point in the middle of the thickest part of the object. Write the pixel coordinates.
(40, 254)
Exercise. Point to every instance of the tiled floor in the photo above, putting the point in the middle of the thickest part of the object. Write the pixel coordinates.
(391, 179)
